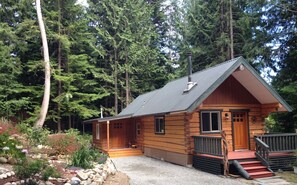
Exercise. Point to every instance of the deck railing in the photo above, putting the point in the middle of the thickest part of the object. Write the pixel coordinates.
(208, 145)
(262, 151)
(266, 144)
(280, 142)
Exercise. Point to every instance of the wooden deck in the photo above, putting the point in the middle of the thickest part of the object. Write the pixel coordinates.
(123, 152)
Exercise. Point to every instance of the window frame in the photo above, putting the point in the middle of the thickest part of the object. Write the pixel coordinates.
(219, 113)
(97, 131)
(161, 117)
(138, 129)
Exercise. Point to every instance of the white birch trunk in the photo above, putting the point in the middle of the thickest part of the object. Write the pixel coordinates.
(47, 72)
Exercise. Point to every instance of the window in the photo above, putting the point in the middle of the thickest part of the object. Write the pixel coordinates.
(159, 125)
(118, 125)
(138, 129)
(210, 121)
(97, 132)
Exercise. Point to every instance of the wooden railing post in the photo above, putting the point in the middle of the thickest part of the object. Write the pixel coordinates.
(225, 153)
(107, 130)
(262, 151)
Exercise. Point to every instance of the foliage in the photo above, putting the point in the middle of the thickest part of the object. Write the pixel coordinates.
(83, 139)
(85, 157)
(63, 143)
(82, 158)
(50, 171)
(204, 27)
(10, 147)
(106, 54)
(271, 125)
(28, 168)
(8, 127)
(37, 136)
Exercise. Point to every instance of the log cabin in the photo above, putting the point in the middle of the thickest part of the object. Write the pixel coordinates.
(213, 120)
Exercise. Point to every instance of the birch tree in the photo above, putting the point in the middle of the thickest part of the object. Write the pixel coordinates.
(47, 71)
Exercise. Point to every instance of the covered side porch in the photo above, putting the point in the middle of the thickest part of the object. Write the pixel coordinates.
(117, 136)
(272, 152)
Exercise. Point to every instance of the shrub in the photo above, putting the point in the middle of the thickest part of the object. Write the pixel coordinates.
(6, 126)
(50, 172)
(63, 144)
(9, 147)
(85, 139)
(98, 156)
(85, 157)
(37, 136)
(82, 158)
(28, 168)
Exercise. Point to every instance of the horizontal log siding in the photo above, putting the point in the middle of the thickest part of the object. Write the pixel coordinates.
(102, 143)
(256, 128)
(174, 139)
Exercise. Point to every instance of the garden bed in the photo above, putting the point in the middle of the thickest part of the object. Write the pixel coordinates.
(34, 156)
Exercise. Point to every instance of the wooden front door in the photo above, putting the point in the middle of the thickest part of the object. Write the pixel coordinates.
(118, 134)
(240, 130)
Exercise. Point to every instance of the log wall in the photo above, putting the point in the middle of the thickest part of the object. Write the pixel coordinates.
(174, 139)
(255, 128)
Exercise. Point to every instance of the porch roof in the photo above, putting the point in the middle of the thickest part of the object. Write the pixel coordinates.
(112, 118)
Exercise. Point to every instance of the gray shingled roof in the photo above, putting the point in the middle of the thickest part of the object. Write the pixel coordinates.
(171, 98)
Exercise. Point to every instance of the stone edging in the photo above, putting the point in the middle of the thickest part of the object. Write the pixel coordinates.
(95, 176)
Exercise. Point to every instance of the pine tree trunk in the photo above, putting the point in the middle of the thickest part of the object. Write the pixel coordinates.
(127, 83)
(231, 31)
(69, 122)
(115, 83)
(59, 68)
(47, 72)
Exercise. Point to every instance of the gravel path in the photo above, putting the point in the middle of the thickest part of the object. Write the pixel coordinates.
(148, 171)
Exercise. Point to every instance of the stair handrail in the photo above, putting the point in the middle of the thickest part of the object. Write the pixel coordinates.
(262, 151)
(225, 153)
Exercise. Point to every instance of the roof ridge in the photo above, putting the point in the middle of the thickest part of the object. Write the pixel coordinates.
(231, 60)
(234, 59)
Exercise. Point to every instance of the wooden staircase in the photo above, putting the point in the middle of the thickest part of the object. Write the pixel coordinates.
(255, 169)
(124, 152)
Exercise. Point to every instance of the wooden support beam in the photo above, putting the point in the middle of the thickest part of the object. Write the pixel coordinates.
(107, 135)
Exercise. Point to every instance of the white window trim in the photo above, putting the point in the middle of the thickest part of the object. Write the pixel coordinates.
(97, 132)
(210, 121)
(159, 117)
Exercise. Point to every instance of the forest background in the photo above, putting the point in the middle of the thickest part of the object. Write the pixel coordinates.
(105, 53)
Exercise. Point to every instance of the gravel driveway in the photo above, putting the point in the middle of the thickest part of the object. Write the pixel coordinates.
(148, 171)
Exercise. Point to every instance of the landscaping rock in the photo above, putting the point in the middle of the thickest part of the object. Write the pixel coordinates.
(89, 181)
(67, 183)
(12, 161)
(48, 183)
(3, 160)
(75, 181)
(82, 176)
(8, 174)
(104, 175)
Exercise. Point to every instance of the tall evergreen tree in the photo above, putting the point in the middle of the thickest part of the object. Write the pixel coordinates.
(126, 31)
(215, 31)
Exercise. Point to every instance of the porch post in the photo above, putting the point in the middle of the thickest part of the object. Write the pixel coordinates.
(107, 135)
